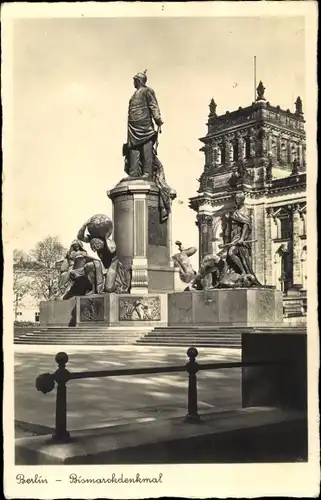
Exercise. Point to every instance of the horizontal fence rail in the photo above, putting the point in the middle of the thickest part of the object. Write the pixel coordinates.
(45, 383)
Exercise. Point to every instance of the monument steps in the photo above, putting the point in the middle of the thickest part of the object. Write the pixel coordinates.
(80, 336)
(207, 336)
(202, 336)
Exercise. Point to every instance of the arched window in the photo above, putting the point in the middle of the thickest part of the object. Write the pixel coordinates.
(244, 149)
(223, 154)
(247, 148)
(285, 228)
(235, 151)
(219, 154)
(274, 148)
(284, 152)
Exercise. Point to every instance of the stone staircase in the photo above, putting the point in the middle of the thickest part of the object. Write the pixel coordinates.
(79, 335)
(207, 336)
(183, 336)
(203, 336)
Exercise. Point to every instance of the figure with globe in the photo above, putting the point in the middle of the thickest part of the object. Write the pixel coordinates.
(89, 275)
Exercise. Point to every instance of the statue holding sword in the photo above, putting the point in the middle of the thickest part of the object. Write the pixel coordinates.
(239, 245)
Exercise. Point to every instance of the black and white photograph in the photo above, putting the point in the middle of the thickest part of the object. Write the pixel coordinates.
(159, 219)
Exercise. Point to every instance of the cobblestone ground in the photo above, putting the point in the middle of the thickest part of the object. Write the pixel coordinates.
(110, 401)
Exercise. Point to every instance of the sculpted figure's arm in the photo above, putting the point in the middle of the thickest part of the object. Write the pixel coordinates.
(245, 220)
(81, 233)
(190, 251)
(153, 106)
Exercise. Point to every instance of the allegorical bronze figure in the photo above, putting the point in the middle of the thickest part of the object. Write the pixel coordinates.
(182, 261)
(81, 274)
(238, 241)
(218, 271)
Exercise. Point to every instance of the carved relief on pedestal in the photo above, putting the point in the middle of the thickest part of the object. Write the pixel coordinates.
(92, 309)
(139, 309)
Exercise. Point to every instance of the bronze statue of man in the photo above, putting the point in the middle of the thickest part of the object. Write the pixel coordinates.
(143, 114)
(239, 241)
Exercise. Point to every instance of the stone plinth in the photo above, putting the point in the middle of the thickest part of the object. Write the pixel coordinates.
(283, 385)
(58, 312)
(228, 307)
(142, 241)
(109, 309)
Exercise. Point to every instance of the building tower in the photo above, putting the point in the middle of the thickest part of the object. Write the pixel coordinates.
(260, 150)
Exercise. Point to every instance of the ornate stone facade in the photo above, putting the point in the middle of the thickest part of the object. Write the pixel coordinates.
(259, 150)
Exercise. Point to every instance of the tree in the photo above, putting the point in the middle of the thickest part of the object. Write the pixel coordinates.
(21, 280)
(45, 274)
(36, 273)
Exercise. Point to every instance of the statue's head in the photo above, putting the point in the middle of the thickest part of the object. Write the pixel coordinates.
(76, 245)
(210, 259)
(97, 244)
(239, 199)
(140, 79)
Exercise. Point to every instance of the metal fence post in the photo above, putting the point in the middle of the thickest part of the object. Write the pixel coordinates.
(192, 368)
(61, 375)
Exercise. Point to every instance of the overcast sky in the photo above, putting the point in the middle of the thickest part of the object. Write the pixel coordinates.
(72, 79)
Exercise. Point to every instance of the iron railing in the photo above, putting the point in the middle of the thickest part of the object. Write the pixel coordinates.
(46, 383)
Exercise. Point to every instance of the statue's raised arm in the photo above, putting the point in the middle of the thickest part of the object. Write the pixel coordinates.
(82, 236)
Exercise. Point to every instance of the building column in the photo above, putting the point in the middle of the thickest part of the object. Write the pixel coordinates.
(252, 143)
(278, 148)
(268, 247)
(214, 153)
(269, 144)
(289, 152)
(227, 151)
(258, 246)
(240, 147)
(216, 234)
(207, 151)
(296, 246)
(205, 223)
(303, 157)
(263, 149)
(299, 154)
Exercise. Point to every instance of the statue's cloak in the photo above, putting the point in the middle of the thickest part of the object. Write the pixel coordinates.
(143, 108)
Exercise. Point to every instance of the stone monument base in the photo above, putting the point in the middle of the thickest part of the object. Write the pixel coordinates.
(226, 307)
(108, 309)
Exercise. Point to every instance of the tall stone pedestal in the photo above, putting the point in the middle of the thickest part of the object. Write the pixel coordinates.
(110, 310)
(142, 241)
(226, 307)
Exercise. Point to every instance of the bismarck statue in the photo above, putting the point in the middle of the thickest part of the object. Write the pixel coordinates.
(140, 150)
(81, 274)
(143, 114)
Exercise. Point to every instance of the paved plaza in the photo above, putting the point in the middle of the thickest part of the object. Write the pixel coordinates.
(109, 401)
